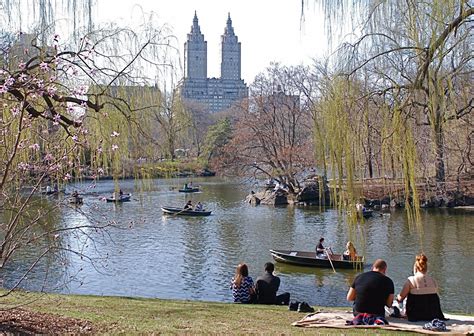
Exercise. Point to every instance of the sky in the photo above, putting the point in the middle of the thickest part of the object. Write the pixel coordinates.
(269, 30)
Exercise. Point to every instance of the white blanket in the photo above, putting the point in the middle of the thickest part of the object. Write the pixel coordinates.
(456, 325)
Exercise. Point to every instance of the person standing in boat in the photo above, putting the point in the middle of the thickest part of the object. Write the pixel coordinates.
(320, 250)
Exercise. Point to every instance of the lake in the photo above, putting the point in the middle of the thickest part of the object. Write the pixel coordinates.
(150, 255)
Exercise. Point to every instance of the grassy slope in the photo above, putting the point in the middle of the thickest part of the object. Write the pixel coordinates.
(119, 315)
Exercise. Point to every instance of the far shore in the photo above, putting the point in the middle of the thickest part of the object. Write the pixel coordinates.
(86, 314)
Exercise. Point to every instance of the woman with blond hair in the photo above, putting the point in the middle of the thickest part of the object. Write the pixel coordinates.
(421, 292)
(242, 285)
(350, 252)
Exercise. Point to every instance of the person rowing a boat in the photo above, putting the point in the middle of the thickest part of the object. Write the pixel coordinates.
(188, 205)
(320, 250)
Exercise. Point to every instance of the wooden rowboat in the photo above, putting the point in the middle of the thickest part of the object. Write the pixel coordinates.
(122, 198)
(367, 213)
(182, 212)
(189, 190)
(76, 200)
(303, 258)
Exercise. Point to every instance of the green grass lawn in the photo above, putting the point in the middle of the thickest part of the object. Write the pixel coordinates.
(121, 315)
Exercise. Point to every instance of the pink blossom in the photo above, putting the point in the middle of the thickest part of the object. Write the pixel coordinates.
(23, 166)
(70, 109)
(81, 90)
(48, 157)
(51, 90)
(15, 110)
(10, 81)
(115, 134)
(23, 77)
(44, 66)
(35, 147)
(56, 119)
(75, 138)
(100, 171)
(67, 177)
(22, 65)
(99, 150)
(114, 147)
(84, 104)
(40, 83)
(3, 89)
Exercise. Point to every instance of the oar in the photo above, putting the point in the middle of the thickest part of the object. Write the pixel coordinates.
(330, 261)
(176, 214)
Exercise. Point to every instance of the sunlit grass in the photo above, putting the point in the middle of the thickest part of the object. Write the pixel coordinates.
(121, 315)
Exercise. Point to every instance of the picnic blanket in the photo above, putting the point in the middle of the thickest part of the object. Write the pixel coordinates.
(456, 325)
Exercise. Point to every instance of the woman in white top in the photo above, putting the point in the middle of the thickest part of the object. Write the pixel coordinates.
(421, 291)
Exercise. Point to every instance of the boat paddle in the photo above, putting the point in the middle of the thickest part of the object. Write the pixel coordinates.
(176, 214)
(330, 261)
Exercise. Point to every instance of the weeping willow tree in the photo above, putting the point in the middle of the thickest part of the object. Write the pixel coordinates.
(69, 108)
(414, 59)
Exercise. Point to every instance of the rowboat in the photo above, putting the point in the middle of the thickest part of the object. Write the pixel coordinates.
(184, 212)
(75, 200)
(303, 258)
(122, 198)
(50, 192)
(189, 190)
(366, 213)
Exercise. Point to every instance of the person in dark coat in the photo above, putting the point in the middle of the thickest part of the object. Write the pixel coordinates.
(267, 286)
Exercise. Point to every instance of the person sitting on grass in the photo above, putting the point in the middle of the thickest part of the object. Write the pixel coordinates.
(267, 287)
(242, 285)
(421, 292)
(372, 291)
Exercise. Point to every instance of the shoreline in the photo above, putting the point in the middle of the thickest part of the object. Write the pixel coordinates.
(92, 314)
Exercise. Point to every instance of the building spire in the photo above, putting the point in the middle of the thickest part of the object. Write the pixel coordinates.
(229, 30)
(195, 29)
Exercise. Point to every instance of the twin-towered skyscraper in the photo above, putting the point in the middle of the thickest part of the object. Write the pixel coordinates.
(212, 94)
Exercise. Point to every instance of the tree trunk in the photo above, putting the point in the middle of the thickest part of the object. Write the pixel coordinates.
(439, 152)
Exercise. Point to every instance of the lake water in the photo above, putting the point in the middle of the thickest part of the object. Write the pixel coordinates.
(147, 254)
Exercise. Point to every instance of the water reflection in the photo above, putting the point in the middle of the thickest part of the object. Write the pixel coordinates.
(146, 254)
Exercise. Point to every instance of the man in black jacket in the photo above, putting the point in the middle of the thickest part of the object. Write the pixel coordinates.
(267, 286)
